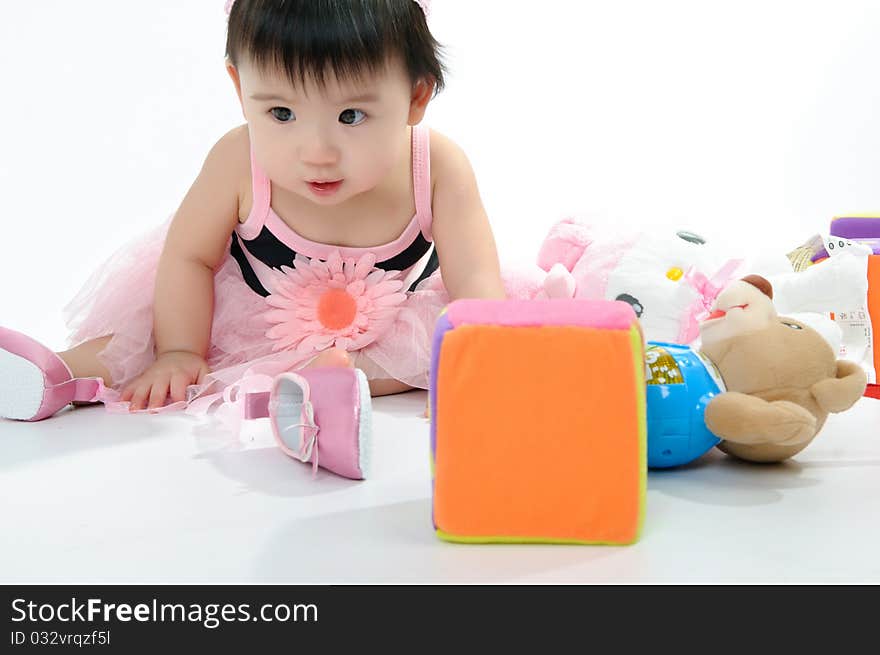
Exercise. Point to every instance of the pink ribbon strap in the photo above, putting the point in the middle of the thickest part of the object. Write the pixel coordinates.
(308, 448)
(85, 390)
(256, 405)
(308, 445)
(232, 400)
(708, 290)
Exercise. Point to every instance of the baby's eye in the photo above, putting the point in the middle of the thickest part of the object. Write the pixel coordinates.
(282, 114)
(352, 117)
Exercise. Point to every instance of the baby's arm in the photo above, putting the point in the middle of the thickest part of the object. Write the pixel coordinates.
(462, 234)
(184, 295)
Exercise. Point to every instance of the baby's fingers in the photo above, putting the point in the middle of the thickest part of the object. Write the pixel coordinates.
(127, 393)
(140, 386)
(158, 394)
(179, 383)
(203, 371)
(139, 397)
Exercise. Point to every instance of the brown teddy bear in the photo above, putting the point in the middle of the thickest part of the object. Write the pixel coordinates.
(782, 378)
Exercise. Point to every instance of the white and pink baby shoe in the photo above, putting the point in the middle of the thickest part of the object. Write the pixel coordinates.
(320, 415)
(35, 383)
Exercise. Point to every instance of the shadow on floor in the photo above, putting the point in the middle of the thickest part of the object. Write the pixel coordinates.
(396, 543)
(269, 471)
(716, 479)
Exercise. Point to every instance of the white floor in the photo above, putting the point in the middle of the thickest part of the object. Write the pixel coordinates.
(88, 497)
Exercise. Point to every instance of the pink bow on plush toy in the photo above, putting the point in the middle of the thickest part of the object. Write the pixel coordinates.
(708, 288)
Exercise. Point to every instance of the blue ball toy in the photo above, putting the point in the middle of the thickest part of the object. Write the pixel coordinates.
(680, 383)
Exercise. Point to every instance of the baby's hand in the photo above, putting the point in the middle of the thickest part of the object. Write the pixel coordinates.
(172, 371)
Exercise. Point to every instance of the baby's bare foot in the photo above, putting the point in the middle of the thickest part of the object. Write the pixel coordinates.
(333, 358)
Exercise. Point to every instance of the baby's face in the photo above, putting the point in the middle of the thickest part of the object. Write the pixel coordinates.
(329, 143)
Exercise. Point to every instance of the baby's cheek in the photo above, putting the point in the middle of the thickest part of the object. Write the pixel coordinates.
(373, 172)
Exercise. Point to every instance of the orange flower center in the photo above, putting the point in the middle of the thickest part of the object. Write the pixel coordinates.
(336, 309)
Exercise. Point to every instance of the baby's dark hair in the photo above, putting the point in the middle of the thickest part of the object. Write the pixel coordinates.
(309, 38)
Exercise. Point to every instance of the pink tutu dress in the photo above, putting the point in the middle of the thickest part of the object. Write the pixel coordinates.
(280, 299)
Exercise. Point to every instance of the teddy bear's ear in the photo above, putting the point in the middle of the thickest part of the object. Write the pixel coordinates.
(760, 283)
(839, 393)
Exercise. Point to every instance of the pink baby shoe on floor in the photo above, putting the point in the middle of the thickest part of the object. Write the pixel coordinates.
(320, 415)
(35, 382)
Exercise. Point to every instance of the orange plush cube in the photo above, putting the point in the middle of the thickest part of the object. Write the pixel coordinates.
(538, 422)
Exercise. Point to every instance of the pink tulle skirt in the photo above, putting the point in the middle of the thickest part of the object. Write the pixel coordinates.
(118, 300)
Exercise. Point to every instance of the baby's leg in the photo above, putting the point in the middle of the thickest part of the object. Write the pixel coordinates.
(388, 387)
(332, 358)
(338, 357)
(83, 360)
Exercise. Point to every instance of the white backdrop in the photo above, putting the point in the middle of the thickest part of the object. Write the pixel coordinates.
(748, 121)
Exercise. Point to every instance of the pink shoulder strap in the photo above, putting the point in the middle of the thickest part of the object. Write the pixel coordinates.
(421, 159)
(261, 189)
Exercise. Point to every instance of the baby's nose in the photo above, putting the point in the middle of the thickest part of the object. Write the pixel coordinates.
(319, 151)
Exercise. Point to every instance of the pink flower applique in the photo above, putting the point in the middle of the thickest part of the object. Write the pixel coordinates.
(342, 303)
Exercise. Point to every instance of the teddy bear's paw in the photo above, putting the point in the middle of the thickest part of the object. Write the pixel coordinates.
(745, 419)
(794, 424)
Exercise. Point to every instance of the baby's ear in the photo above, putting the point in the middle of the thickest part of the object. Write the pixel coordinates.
(422, 92)
(232, 71)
